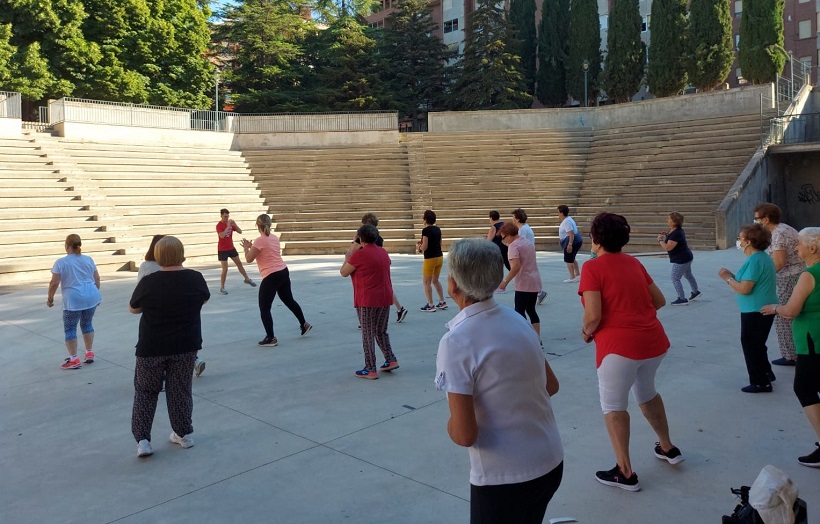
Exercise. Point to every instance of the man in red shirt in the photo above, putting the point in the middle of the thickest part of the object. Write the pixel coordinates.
(225, 250)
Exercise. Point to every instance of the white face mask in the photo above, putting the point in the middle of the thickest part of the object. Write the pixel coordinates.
(756, 221)
(739, 247)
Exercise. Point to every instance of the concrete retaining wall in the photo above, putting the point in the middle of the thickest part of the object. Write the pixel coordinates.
(11, 127)
(699, 105)
(143, 135)
(800, 197)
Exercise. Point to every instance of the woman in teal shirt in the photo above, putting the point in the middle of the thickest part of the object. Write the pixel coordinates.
(755, 285)
(804, 308)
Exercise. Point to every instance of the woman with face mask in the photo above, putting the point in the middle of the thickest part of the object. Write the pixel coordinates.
(754, 284)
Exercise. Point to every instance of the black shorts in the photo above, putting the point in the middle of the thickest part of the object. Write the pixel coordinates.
(569, 258)
(225, 255)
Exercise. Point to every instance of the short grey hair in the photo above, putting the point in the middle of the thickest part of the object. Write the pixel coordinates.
(476, 266)
(810, 236)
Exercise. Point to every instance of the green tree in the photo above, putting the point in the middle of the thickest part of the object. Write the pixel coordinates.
(522, 16)
(489, 74)
(624, 68)
(417, 59)
(23, 69)
(711, 50)
(553, 52)
(584, 44)
(266, 39)
(761, 40)
(348, 70)
(668, 47)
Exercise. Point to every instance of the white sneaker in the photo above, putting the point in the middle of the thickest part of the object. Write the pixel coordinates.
(568, 280)
(199, 367)
(144, 448)
(186, 442)
(577, 279)
(222, 291)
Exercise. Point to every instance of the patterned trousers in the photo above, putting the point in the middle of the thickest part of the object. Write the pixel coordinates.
(683, 271)
(783, 326)
(177, 373)
(374, 322)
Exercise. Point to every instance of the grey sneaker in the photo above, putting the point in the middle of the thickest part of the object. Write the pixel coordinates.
(542, 295)
(186, 442)
(250, 283)
(199, 367)
(144, 448)
(222, 291)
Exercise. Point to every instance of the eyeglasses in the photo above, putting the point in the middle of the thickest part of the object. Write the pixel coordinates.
(504, 236)
(759, 218)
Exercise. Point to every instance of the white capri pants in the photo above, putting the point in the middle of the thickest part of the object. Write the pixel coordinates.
(617, 375)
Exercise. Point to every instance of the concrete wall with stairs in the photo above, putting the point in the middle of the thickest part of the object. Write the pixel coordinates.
(116, 195)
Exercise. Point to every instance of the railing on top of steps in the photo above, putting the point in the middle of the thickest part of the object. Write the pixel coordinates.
(10, 104)
(139, 115)
(787, 96)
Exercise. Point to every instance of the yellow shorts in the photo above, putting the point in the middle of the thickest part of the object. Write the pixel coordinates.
(432, 267)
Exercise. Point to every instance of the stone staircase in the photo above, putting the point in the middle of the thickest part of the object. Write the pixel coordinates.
(468, 174)
(645, 172)
(116, 197)
(39, 207)
(317, 196)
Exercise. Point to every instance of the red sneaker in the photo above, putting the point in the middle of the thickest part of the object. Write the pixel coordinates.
(71, 363)
(89, 357)
(389, 366)
(367, 374)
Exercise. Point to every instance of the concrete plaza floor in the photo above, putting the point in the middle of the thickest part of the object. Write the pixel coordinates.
(289, 435)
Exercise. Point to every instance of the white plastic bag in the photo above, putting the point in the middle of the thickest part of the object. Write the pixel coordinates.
(773, 495)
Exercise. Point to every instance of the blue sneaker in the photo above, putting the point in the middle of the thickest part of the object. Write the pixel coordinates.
(429, 308)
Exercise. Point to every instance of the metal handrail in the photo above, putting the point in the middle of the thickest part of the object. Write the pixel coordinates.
(795, 129)
(80, 110)
(10, 105)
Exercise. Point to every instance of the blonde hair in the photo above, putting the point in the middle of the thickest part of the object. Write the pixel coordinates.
(264, 224)
(169, 251)
(75, 243)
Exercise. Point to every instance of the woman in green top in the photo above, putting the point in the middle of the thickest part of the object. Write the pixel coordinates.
(804, 308)
(754, 284)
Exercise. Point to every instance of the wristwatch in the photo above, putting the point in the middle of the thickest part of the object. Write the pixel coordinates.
(730, 279)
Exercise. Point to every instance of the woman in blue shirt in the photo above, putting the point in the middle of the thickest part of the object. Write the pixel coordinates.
(755, 285)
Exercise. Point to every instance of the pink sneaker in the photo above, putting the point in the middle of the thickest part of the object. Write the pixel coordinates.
(89, 357)
(72, 363)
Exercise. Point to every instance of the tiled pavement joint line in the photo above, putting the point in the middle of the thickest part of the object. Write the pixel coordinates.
(311, 448)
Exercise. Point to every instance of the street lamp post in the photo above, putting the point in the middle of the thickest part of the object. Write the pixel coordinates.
(216, 89)
(585, 69)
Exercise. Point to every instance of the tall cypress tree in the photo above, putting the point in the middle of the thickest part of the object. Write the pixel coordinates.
(584, 44)
(522, 16)
(711, 50)
(417, 59)
(489, 74)
(624, 68)
(553, 52)
(668, 47)
(761, 40)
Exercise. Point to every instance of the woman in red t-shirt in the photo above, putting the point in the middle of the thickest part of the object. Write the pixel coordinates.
(369, 267)
(620, 300)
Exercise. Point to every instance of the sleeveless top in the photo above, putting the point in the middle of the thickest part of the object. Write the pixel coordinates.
(806, 325)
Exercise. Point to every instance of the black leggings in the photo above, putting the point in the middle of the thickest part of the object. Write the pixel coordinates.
(278, 282)
(522, 503)
(754, 330)
(525, 303)
(807, 377)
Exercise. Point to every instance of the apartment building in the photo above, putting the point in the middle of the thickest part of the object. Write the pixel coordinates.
(801, 27)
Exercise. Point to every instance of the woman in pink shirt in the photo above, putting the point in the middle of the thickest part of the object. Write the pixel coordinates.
(524, 269)
(275, 278)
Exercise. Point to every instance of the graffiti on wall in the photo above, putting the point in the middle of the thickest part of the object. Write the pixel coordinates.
(808, 194)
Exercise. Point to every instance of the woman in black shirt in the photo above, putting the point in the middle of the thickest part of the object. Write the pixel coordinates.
(674, 242)
(170, 334)
(430, 245)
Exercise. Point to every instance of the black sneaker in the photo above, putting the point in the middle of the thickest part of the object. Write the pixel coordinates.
(811, 460)
(755, 388)
(441, 305)
(680, 302)
(402, 314)
(268, 341)
(694, 295)
(673, 456)
(306, 328)
(783, 361)
(616, 479)
(770, 376)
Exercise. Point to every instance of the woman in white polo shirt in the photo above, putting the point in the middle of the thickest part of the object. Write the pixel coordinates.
(498, 386)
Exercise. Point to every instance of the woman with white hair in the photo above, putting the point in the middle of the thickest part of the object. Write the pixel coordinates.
(804, 309)
(498, 386)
